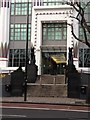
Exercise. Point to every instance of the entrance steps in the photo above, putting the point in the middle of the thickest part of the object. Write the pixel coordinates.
(48, 86)
(51, 79)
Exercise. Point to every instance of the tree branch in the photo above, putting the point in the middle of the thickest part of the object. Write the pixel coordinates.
(80, 11)
(72, 30)
(77, 38)
(82, 21)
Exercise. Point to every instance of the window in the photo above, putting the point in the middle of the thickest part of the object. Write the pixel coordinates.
(84, 57)
(86, 7)
(81, 33)
(12, 32)
(54, 31)
(12, 8)
(19, 32)
(17, 57)
(20, 8)
(53, 2)
(30, 8)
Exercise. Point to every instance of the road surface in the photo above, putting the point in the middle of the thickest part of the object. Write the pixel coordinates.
(63, 112)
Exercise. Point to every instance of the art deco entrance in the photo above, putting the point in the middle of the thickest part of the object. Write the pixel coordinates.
(53, 63)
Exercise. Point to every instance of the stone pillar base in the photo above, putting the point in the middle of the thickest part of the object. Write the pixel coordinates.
(75, 62)
(3, 62)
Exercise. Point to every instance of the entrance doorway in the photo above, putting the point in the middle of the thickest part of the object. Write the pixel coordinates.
(53, 63)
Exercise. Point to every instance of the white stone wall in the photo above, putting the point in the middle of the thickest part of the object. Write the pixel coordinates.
(75, 42)
(51, 14)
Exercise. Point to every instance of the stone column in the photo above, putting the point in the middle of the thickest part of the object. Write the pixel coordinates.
(4, 32)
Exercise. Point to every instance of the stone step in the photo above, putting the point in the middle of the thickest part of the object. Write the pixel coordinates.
(59, 90)
(60, 79)
(51, 79)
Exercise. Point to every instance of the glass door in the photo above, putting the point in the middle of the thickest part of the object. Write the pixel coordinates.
(53, 63)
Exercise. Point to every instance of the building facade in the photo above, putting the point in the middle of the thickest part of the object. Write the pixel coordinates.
(49, 33)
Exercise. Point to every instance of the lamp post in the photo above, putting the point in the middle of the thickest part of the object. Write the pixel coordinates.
(26, 62)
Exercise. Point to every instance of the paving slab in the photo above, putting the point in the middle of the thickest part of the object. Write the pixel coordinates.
(49, 100)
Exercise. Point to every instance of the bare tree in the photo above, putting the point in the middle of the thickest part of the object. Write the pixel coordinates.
(80, 17)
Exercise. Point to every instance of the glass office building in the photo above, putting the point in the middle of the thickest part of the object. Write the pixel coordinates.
(48, 33)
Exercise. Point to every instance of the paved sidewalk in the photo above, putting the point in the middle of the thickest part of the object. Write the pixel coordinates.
(50, 100)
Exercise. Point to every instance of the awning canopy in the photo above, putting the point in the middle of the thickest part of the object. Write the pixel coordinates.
(59, 58)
